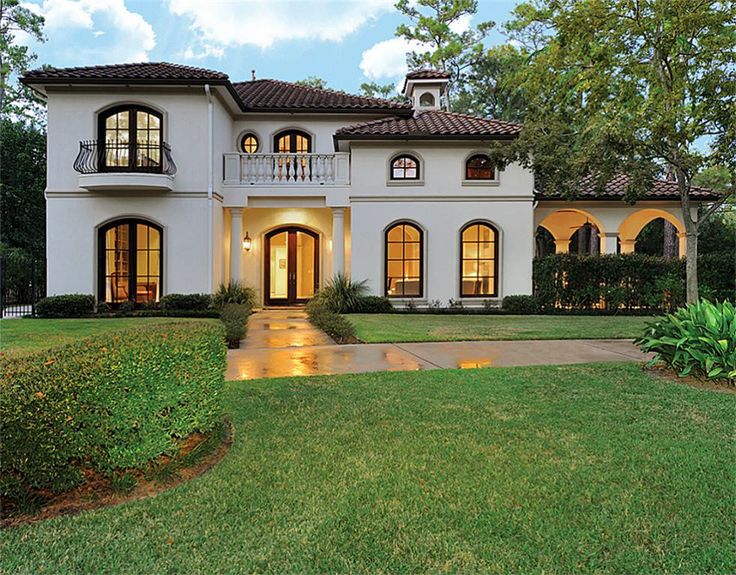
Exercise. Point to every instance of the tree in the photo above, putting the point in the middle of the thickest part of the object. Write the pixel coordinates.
(627, 86)
(312, 82)
(22, 185)
(16, 99)
(489, 90)
(385, 91)
(436, 24)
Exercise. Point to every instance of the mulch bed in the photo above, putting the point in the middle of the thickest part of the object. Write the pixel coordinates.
(98, 490)
(663, 372)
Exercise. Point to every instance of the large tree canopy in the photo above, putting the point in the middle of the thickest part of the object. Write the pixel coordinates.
(627, 85)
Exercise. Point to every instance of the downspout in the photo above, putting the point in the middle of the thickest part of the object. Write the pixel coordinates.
(210, 182)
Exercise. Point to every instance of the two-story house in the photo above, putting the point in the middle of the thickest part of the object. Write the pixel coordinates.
(165, 178)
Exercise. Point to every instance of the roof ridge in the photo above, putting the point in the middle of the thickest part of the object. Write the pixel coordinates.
(474, 117)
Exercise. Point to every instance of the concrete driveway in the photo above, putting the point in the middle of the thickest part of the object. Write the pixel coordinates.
(283, 343)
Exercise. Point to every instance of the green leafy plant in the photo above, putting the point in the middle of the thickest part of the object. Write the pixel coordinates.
(341, 295)
(699, 339)
(186, 302)
(234, 292)
(106, 403)
(70, 305)
(372, 304)
(234, 317)
(521, 304)
(337, 326)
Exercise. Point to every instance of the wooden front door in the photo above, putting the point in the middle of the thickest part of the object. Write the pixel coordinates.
(291, 265)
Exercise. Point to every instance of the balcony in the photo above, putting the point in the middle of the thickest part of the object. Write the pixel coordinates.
(125, 166)
(288, 170)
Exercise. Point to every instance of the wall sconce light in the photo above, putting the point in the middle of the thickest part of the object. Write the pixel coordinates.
(247, 242)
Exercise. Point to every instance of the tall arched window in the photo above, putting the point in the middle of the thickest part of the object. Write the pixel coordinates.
(130, 262)
(479, 260)
(131, 139)
(405, 167)
(479, 167)
(404, 260)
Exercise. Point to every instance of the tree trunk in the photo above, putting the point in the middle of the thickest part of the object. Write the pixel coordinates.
(669, 249)
(593, 245)
(691, 231)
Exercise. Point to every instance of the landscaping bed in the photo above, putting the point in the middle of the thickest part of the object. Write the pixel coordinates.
(573, 469)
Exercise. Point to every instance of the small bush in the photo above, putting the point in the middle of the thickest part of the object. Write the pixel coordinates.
(338, 327)
(107, 403)
(372, 304)
(186, 302)
(234, 317)
(341, 295)
(521, 304)
(234, 292)
(71, 305)
(698, 339)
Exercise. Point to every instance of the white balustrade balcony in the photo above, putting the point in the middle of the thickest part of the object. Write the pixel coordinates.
(287, 169)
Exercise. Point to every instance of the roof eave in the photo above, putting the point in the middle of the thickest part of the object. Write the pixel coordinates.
(426, 136)
(407, 112)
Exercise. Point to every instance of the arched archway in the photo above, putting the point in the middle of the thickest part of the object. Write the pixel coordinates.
(565, 223)
(635, 223)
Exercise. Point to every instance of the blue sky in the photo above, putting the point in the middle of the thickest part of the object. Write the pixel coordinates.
(346, 42)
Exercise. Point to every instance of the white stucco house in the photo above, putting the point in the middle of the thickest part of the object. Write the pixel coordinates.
(165, 178)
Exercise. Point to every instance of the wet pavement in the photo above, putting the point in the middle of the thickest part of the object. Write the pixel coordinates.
(283, 343)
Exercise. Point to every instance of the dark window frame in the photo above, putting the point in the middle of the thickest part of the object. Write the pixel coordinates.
(496, 242)
(292, 142)
(403, 260)
(132, 253)
(132, 140)
(404, 168)
(244, 137)
(470, 178)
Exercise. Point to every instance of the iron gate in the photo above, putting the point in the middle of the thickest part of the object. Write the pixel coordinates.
(22, 283)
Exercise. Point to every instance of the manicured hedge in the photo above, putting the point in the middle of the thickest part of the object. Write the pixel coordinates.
(234, 317)
(110, 402)
(626, 282)
(70, 305)
(337, 326)
(186, 302)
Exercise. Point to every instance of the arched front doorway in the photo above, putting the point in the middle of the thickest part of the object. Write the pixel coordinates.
(291, 265)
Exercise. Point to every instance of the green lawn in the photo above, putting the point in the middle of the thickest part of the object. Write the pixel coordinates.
(575, 469)
(18, 335)
(389, 328)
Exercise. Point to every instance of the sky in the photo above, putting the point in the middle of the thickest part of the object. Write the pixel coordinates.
(345, 42)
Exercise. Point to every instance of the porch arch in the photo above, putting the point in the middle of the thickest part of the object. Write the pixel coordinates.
(635, 222)
(563, 223)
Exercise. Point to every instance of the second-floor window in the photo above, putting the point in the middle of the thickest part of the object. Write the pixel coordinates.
(131, 139)
(293, 142)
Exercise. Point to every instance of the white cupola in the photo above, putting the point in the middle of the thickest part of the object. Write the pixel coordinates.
(426, 88)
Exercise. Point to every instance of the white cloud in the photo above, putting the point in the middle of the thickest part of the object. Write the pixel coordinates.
(125, 36)
(263, 23)
(387, 59)
(461, 24)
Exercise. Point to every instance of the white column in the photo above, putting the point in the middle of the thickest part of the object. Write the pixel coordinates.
(338, 241)
(610, 246)
(236, 244)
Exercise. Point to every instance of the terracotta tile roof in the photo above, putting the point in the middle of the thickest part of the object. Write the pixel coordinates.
(277, 95)
(434, 123)
(427, 75)
(616, 189)
(143, 71)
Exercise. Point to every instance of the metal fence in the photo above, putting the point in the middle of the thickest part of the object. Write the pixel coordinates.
(22, 284)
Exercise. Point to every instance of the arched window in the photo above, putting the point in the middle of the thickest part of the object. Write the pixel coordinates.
(405, 167)
(479, 167)
(130, 262)
(131, 139)
(249, 143)
(479, 260)
(404, 260)
(293, 142)
(426, 100)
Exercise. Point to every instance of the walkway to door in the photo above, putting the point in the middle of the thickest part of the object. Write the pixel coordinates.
(283, 343)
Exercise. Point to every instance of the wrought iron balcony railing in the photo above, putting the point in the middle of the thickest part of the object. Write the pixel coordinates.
(97, 157)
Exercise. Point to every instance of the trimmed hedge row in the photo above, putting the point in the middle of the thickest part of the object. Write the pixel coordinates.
(110, 402)
(70, 305)
(337, 326)
(625, 282)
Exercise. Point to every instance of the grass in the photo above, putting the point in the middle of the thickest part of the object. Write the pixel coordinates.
(575, 469)
(390, 328)
(21, 335)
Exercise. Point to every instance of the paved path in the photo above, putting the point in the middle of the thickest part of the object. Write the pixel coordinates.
(283, 343)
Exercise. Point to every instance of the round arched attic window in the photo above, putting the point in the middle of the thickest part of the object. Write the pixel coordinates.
(249, 143)
(426, 100)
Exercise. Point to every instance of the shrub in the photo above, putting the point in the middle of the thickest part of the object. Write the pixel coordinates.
(338, 327)
(234, 292)
(521, 304)
(341, 295)
(234, 317)
(71, 305)
(698, 339)
(111, 402)
(186, 302)
(372, 304)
